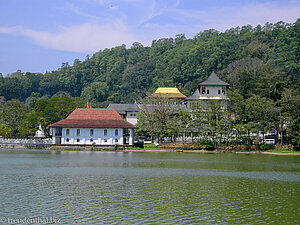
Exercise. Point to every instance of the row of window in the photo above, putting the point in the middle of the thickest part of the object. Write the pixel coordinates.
(91, 140)
(204, 91)
(91, 132)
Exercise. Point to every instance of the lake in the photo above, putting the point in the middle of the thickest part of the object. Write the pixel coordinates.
(72, 187)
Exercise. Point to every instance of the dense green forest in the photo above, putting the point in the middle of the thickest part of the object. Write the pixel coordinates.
(257, 61)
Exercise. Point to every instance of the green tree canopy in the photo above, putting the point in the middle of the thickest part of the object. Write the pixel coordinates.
(13, 115)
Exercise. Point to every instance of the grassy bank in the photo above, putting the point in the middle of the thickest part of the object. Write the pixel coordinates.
(195, 147)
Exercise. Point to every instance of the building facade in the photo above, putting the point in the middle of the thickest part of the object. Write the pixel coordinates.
(127, 111)
(89, 126)
(211, 89)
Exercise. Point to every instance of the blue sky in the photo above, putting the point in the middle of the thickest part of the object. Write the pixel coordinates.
(38, 35)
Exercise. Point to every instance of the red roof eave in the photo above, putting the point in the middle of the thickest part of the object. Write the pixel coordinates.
(93, 124)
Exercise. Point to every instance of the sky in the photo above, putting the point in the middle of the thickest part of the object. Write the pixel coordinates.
(39, 35)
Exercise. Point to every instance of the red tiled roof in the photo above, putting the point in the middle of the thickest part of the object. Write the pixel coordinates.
(90, 117)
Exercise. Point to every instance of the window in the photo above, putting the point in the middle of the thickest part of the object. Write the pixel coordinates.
(223, 90)
(116, 132)
(91, 140)
(67, 140)
(105, 132)
(78, 132)
(219, 91)
(105, 140)
(91, 132)
(134, 114)
(207, 92)
(203, 90)
(77, 140)
(130, 114)
(67, 132)
(116, 140)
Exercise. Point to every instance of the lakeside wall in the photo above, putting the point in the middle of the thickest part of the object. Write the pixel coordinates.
(18, 143)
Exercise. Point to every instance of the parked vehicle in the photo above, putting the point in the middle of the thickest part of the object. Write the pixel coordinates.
(270, 141)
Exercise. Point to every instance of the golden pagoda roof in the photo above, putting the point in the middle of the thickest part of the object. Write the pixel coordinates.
(168, 92)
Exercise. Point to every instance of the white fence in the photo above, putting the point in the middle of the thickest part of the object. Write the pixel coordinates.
(26, 142)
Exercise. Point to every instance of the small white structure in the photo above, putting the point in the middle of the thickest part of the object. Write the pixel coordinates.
(40, 133)
(89, 126)
(211, 89)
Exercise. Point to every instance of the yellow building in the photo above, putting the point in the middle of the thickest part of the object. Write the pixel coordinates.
(168, 92)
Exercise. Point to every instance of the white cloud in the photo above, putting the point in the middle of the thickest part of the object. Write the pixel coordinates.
(84, 38)
(155, 8)
(91, 36)
(77, 11)
(192, 21)
(253, 14)
(106, 2)
(7, 30)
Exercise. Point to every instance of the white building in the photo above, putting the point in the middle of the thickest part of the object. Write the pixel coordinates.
(127, 111)
(211, 89)
(89, 126)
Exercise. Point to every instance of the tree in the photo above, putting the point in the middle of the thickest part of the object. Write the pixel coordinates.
(156, 116)
(146, 123)
(2, 101)
(211, 120)
(290, 103)
(34, 97)
(13, 114)
(49, 84)
(253, 76)
(262, 112)
(48, 111)
(295, 133)
(183, 122)
(5, 131)
(30, 124)
(95, 92)
(253, 114)
(62, 94)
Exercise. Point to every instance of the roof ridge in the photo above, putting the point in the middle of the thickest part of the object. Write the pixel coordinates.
(212, 80)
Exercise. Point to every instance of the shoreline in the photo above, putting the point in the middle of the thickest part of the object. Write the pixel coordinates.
(212, 152)
(123, 149)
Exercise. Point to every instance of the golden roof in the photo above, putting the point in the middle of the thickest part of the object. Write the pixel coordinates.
(168, 92)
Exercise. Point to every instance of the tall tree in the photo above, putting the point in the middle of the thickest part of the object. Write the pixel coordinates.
(13, 114)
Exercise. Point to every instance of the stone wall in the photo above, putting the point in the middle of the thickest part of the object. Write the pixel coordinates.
(24, 143)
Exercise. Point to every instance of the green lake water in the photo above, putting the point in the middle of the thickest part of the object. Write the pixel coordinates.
(149, 188)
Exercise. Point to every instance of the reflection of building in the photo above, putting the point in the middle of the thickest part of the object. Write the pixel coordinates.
(88, 126)
(211, 89)
(127, 111)
(168, 92)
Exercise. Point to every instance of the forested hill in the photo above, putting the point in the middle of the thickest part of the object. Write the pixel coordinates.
(251, 59)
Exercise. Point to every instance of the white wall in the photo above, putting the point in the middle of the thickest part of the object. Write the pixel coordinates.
(211, 92)
(98, 136)
(131, 117)
(214, 91)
